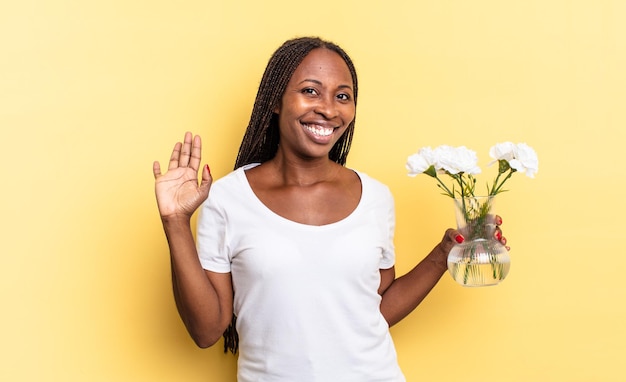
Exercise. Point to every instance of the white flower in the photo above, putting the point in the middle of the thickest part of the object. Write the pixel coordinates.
(461, 164)
(520, 157)
(525, 160)
(421, 161)
(457, 160)
(502, 151)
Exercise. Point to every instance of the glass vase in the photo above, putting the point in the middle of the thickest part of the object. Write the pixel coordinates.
(480, 260)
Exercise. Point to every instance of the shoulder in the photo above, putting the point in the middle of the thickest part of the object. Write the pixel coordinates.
(229, 190)
(228, 194)
(235, 180)
(373, 186)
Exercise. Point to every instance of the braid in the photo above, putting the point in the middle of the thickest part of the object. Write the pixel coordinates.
(260, 141)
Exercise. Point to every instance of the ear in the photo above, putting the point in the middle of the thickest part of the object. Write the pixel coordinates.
(276, 109)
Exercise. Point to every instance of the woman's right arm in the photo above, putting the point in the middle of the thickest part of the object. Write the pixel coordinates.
(204, 299)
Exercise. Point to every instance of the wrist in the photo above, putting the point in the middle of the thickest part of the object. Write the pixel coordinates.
(177, 220)
(439, 257)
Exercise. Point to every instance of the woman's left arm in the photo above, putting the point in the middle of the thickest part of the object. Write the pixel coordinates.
(400, 296)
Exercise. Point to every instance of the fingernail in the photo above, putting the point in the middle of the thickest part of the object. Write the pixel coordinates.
(498, 220)
(498, 235)
(459, 239)
(208, 168)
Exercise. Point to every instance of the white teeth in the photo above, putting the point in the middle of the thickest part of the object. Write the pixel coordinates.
(319, 130)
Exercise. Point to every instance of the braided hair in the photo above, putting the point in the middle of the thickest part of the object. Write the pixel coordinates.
(260, 141)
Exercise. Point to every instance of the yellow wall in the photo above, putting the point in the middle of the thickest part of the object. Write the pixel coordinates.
(91, 92)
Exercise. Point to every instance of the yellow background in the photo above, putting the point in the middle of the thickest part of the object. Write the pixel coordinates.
(91, 92)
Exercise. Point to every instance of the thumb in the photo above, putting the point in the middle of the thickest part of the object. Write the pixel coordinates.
(455, 236)
(207, 179)
(450, 239)
(156, 169)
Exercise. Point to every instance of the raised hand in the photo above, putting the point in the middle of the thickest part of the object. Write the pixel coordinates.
(177, 191)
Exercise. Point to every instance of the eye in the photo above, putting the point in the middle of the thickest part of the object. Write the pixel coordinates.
(343, 97)
(310, 91)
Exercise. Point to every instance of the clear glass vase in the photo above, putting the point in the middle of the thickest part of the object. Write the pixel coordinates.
(480, 260)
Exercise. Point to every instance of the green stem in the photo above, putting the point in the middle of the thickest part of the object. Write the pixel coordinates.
(496, 188)
(460, 179)
(443, 185)
(495, 183)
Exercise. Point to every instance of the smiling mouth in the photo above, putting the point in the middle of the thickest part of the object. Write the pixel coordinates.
(320, 131)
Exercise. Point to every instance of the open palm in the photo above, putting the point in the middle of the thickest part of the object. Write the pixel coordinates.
(177, 191)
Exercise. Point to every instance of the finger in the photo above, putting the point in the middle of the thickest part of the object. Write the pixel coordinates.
(196, 153)
(186, 151)
(458, 238)
(498, 220)
(453, 237)
(207, 179)
(156, 169)
(498, 234)
(493, 220)
(174, 159)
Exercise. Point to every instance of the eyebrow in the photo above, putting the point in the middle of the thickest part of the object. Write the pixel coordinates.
(320, 83)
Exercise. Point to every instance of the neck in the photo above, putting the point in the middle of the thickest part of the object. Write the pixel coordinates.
(304, 172)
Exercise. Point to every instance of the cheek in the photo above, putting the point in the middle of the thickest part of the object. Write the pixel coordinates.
(286, 122)
(349, 114)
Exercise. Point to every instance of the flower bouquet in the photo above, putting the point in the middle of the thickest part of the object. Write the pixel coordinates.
(481, 259)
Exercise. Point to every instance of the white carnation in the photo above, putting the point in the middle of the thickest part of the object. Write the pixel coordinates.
(457, 160)
(525, 160)
(420, 161)
(502, 151)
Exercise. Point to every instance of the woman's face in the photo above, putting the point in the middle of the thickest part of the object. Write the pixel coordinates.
(317, 106)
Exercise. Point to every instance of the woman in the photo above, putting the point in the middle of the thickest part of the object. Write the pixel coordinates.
(294, 244)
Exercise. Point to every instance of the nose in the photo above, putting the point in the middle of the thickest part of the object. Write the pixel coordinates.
(327, 107)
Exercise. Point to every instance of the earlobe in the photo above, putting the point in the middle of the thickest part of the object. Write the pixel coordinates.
(276, 109)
